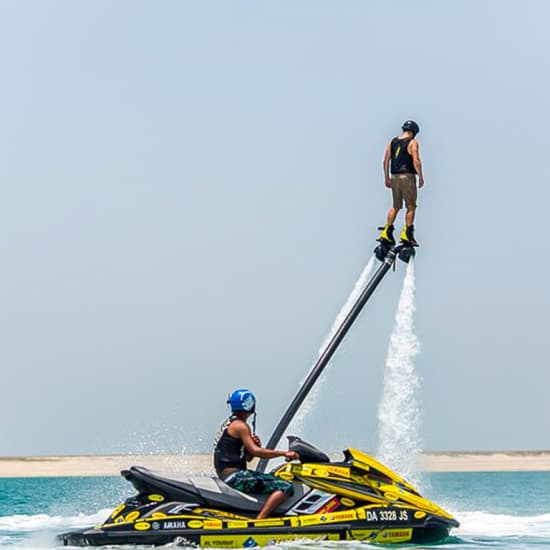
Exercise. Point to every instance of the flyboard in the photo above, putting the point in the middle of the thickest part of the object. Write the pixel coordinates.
(355, 498)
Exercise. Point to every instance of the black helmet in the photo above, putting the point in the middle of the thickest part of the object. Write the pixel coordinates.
(410, 126)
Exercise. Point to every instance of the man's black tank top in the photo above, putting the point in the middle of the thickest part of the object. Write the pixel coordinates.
(229, 451)
(401, 161)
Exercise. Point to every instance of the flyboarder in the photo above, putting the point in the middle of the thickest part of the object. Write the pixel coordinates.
(403, 158)
(236, 445)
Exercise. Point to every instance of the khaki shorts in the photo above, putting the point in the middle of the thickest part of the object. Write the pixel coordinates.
(403, 188)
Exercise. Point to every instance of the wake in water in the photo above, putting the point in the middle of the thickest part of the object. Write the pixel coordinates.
(484, 524)
(39, 522)
(297, 424)
(399, 410)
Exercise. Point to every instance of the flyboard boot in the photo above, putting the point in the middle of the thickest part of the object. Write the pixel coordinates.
(386, 237)
(407, 236)
(386, 240)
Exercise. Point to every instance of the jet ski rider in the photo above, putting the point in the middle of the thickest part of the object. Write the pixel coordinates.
(236, 445)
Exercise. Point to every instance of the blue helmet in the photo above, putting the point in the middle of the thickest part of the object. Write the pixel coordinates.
(242, 400)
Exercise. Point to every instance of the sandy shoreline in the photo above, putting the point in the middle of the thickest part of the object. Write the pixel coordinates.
(110, 465)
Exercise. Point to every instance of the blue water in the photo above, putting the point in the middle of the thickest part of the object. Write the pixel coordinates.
(509, 510)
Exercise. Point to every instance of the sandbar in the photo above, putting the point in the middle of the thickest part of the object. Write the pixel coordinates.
(111, 465)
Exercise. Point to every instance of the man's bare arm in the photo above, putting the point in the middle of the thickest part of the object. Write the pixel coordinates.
(387, 154)
(415, 154)
(241, 430)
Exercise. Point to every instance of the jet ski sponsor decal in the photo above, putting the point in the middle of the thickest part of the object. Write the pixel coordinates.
(237, 524)
(396, 535)
(174, 525)
(132, 516)
(339, 471)
(142, 526)
(330, 506)
(212, 524)
(221, 542)
(156, 498)
(194, 524)
(117, 510)
(269, 523)
(342, 516)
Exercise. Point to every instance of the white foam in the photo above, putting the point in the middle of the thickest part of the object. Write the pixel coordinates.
(399, 408)
(297, 425)
(485, 524)
(41, 522)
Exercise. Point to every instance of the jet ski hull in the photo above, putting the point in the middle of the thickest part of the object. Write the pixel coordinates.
(379, 524)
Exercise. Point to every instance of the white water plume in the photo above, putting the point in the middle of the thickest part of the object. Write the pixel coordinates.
(399, 408)
(297, 425)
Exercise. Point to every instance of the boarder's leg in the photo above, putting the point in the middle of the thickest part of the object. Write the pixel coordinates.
(397, 198)
(409, 194)
(409, 216)
(392, 214)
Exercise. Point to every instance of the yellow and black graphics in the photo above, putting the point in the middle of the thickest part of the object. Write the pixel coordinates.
(216, 528)
(356, 499)
(361, 478)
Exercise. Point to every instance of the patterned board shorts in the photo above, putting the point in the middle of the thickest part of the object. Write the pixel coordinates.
(249, 481)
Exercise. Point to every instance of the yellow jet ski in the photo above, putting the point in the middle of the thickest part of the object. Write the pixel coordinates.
(357, 498)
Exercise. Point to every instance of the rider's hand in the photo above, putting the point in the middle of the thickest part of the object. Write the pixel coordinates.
(387, 183)
(421, 182)
(292, 455)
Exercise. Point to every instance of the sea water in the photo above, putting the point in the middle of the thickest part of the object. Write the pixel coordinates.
(496, 510)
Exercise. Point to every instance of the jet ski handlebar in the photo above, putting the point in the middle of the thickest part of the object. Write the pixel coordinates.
(306, 451)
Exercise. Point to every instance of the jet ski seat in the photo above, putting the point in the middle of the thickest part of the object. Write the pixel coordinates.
(202, 490)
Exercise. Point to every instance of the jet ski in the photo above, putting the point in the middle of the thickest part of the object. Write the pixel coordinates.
(357, 498)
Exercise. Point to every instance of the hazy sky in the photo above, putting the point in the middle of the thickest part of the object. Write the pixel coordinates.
(190, 189)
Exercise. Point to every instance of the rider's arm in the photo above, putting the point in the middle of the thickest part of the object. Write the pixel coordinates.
(415, 154)
(241, 430)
